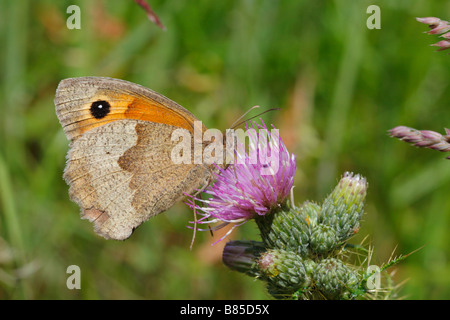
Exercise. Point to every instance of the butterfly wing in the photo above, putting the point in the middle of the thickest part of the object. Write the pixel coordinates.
(119, 166)
(77, 101)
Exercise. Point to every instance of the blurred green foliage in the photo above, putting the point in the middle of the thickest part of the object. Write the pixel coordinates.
(340, 87)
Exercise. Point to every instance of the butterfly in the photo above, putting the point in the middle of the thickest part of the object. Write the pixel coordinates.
(119, 165)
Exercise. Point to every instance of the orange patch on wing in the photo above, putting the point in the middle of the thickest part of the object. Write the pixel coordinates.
(131, 107)
(144, 109)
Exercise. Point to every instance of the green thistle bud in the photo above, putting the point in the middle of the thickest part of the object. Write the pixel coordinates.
(288, 228)
(323, 239)
(285, 271)
(335, 280)
(310, 212)
(243, 256)
(343, 208)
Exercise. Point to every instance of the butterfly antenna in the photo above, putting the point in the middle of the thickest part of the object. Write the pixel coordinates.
(210, 230)
(238, 119)
(236, 123)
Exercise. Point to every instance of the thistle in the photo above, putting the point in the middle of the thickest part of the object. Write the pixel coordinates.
(304, 249)
(243, 191)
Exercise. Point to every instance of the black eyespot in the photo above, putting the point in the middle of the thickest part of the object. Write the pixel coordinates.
(100, 108)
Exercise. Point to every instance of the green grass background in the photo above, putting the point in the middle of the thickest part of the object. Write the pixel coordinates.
(340, 87)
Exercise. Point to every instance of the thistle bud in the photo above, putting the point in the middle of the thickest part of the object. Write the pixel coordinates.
(285, 271)
(323, 239)
(242, 256)
(289, 228)
(310, 211)
(335, 280)
(343, 208)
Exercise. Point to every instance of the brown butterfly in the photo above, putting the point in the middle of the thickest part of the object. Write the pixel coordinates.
(119, 167)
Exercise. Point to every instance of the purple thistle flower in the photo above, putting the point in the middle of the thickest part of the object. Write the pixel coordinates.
(250, 187)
